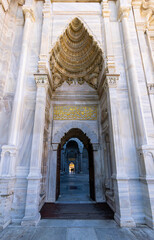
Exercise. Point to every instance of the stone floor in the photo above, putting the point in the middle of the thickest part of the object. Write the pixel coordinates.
(74, 188)
(76, 230)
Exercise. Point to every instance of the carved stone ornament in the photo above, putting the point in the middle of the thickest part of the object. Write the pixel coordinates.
(123, 12)
(76, 57)
(111, 81)
(147, 10)
(28, 12)
(41, 80)
(150, 88)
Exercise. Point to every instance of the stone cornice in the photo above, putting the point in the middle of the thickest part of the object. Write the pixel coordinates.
(28, 12)
(123, 12)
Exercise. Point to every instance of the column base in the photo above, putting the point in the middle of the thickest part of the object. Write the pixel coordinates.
(124, 222)
(31, 221)
(150, 222)
(5, 224)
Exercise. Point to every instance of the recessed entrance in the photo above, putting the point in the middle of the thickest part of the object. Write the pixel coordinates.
(75, 168)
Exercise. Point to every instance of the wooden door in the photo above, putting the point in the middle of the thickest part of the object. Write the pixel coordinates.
(91, 172)
(58, 171)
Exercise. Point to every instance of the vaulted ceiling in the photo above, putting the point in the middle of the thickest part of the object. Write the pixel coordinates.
(76, 57)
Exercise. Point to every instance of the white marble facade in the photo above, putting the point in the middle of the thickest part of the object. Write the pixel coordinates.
(122, 136)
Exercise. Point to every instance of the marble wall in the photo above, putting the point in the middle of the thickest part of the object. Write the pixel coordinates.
(124, 164)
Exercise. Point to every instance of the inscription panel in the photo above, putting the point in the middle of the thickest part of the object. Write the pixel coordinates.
(75, 112)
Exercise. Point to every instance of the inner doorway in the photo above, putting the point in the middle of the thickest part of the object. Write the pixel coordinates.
(75, 169)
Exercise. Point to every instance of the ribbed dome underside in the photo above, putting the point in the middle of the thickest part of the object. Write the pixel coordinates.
(76, 57)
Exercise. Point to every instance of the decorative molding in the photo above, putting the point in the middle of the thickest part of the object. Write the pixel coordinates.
(5, 4)
(150, 87)
(75, 112)
(123, 12)
(41, 80)
(136, 3)
(47, 9)
(104, 115)
(76, 57)
(105, 9)
(28, 12)
(110, 81)
(95, 146)
(21, 2)
(147, 10)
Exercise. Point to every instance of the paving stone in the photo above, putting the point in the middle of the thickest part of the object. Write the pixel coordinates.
(143, 233)
(17, 233)
(114, 234)
(50, 234)
(81, 234)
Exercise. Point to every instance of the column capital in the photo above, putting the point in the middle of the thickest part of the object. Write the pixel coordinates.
(136, 3)
(105, 9)
(54, 146)
(47, 9)
(28, 12)
(21, 2)
(110, 81)
(123, 12)
(41, 80)
(150, 87)
(95, 146)
(11, 149)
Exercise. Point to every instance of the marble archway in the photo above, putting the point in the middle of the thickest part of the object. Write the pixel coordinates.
(89, 138)
(78, 133)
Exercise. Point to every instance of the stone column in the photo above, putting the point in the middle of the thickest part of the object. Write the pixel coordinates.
(43, 63)
(110, 62)
(32, 215)
(121, 187)
(9, 152)
(133, 88)
(98, 174)
(144, 149)
(53, 173)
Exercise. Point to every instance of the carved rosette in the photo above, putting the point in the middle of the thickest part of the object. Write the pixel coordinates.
(111, 81)
(76, 57)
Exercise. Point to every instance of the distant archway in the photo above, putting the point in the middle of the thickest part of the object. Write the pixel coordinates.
(77, 133)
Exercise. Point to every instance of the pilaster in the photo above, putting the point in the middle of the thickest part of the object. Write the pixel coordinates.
(142, 141)
(43, 64)
(9, 152)
(99, 196)
(123, 214)
(32, 215)
(110, 61)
